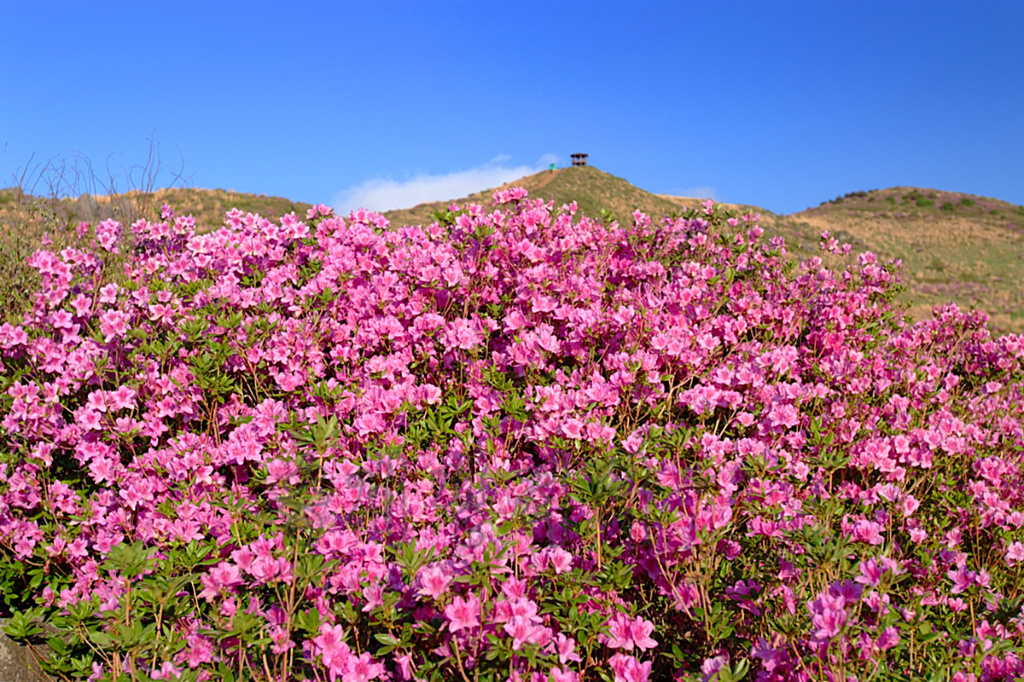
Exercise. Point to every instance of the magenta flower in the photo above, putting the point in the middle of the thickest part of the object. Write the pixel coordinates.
(566, 648)
(463, 613)
(640, 632)
(889, 638)
(562, 675)
(962, 579)
(221, 577)
(524, 630)
(1014, 553)
(867, 531)
(625, 633)
(870, 573)
(434, 581)
(361, 669)
(335, 654)
(828, 615)
(629, 669)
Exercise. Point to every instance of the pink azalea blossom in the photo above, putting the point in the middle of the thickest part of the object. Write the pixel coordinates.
(335, 653)
(463, 613)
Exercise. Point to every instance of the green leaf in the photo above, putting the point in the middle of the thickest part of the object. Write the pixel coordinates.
(130, 560)
(101, 639)
(22, 625)
(387, 639)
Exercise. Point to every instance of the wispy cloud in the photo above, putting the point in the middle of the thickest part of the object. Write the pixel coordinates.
(696, 192)
(381, 194)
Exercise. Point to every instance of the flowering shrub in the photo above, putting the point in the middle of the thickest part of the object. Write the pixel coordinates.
(511, 445)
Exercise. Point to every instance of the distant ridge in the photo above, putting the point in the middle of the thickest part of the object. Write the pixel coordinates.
(207, 206)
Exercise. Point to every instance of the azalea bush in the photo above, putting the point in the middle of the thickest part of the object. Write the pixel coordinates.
(515, 444)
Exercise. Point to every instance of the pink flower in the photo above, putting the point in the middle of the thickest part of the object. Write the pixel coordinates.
(889, 638)
(221, 577)
(870, 573)
(361, 669)
(167, 671)
(404, 663)
(828, 615)
(619, 634)
(710, 667)
(434, 581)
(282, 470)
(463, 613)
(463, 333)
(200, 650)
(641, 630)
(524, 630)
(1014, 553)
(561, 560)
(335, 653)
(867, 531)
(962, 579)
(566, 647)
(629, 669)
(625, 633)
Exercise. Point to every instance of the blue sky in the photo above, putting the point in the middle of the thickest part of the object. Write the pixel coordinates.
(780, 104)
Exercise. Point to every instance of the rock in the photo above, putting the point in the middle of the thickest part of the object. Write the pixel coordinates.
(17, 663)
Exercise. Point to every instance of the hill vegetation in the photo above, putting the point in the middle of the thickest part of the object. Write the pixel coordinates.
(207, 206)
(515, 444)
(593, 190)
(28, 221)
(955, 247)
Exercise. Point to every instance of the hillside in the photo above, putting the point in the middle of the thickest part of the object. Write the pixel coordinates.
(593, 190)
(206, 205)
(26, 221)
(954, 246)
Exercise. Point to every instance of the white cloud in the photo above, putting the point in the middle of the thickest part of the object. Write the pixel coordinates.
(382, 194)
(696, 193)
(547, 160)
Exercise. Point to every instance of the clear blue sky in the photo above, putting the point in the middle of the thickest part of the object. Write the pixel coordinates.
(781, 104)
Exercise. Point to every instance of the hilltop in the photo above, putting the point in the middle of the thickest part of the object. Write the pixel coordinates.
(593, 191)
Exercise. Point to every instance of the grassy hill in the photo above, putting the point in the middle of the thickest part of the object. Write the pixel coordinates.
(954, 246)
(25, 219)
(207, 205)
(593, 190)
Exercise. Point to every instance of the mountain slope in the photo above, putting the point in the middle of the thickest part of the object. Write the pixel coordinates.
(593, 190)
(954, 246)
(207, 206)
